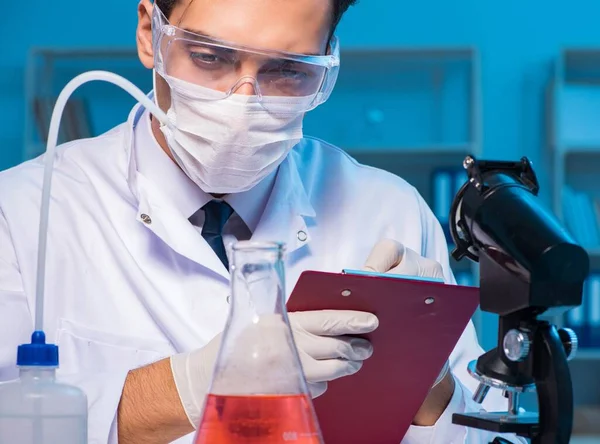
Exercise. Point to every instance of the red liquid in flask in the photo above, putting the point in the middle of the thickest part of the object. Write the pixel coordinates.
(260, 419)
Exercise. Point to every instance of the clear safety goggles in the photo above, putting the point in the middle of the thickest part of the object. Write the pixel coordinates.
(225, 67)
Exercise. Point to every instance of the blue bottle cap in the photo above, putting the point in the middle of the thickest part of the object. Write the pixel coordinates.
(38, 353)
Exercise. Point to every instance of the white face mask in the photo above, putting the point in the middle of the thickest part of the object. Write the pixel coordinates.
(229, 145)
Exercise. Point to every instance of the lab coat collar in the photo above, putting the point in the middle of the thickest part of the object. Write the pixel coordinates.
(284, 218)
(288, 210)
(250, 205)
(160, 214)
(156, 166)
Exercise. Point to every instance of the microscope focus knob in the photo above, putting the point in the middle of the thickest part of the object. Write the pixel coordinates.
(516, 345)
(570, 342)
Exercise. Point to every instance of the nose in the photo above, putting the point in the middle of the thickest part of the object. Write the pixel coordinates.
(246, 86)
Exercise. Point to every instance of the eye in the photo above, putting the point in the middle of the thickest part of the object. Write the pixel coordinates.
(292, 74)
(288, 71)
(203, 57)
(208, 57)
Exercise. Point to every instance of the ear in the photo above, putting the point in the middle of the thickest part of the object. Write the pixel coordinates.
(144, 34)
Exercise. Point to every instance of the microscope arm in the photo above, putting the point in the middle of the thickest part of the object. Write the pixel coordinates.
(553, 384)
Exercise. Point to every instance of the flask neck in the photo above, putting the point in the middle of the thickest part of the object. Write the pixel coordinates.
(258, 280)
(37, 373)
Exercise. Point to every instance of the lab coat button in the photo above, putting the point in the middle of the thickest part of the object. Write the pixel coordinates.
(302, 236)
(146, 219)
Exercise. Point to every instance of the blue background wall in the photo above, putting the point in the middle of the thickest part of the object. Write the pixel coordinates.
(518, 41)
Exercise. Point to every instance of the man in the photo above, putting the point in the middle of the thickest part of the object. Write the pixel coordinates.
(137, 280)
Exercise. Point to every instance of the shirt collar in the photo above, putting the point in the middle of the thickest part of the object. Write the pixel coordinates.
(155, 165)
(250, 205)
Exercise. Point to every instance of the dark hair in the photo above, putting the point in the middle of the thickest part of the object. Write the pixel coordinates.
(339, 8)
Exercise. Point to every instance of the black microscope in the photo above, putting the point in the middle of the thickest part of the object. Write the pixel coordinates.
(530, 267)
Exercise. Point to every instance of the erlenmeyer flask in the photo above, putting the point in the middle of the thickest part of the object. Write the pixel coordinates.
(258, 392)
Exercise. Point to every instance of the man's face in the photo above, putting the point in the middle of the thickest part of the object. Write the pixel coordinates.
(298, 26)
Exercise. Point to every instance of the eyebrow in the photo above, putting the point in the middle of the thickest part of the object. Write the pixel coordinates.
(205, 34)
(202, 33)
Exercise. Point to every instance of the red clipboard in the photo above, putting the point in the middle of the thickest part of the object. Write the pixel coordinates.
(419, 326)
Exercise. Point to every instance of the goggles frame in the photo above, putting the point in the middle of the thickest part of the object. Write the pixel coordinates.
(163, 30)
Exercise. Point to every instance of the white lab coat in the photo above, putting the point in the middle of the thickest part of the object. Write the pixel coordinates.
(121, 293)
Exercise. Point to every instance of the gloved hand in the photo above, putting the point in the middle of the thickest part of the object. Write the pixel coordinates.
(325, 352)
(192, 373)
(390, 256)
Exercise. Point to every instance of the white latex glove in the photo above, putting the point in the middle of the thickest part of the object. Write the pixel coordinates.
(324, 350)
(390, 256)
(192, 373)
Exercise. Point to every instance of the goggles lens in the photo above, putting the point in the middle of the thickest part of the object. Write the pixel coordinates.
(220, 68)
(224, 67)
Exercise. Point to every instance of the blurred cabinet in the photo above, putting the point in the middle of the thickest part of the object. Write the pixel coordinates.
(415, 112)
(574, 135)
(93, 109)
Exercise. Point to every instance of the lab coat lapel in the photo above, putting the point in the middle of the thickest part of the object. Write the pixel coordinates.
(287, 211)
(175, 230)
(164, 220)
(158, 216)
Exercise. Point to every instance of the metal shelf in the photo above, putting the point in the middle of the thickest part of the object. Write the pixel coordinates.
(415, 150)
(403, 99)
(588, 354)
(579, 148)
(594, 252)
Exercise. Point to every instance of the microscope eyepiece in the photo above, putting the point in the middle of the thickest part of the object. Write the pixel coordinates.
(498, 217)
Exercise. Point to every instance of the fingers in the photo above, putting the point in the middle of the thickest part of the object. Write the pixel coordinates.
(323, 347)
(317, 389)
(334, 322)
(327, 369)
(390, 256)
(414, 265)
(384, 256)
(325, 350)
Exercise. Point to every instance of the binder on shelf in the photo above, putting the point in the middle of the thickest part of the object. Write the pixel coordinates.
(446, 182)
(576, 319)
(572, 209)
(594, 310)
(581, 217)
(460, 178)
(596, 204)
(589, 217)
(443, 194)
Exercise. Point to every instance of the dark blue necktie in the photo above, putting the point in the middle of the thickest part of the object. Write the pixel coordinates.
(216, 215)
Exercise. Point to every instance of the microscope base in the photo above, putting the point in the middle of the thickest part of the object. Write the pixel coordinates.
(524, 424)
